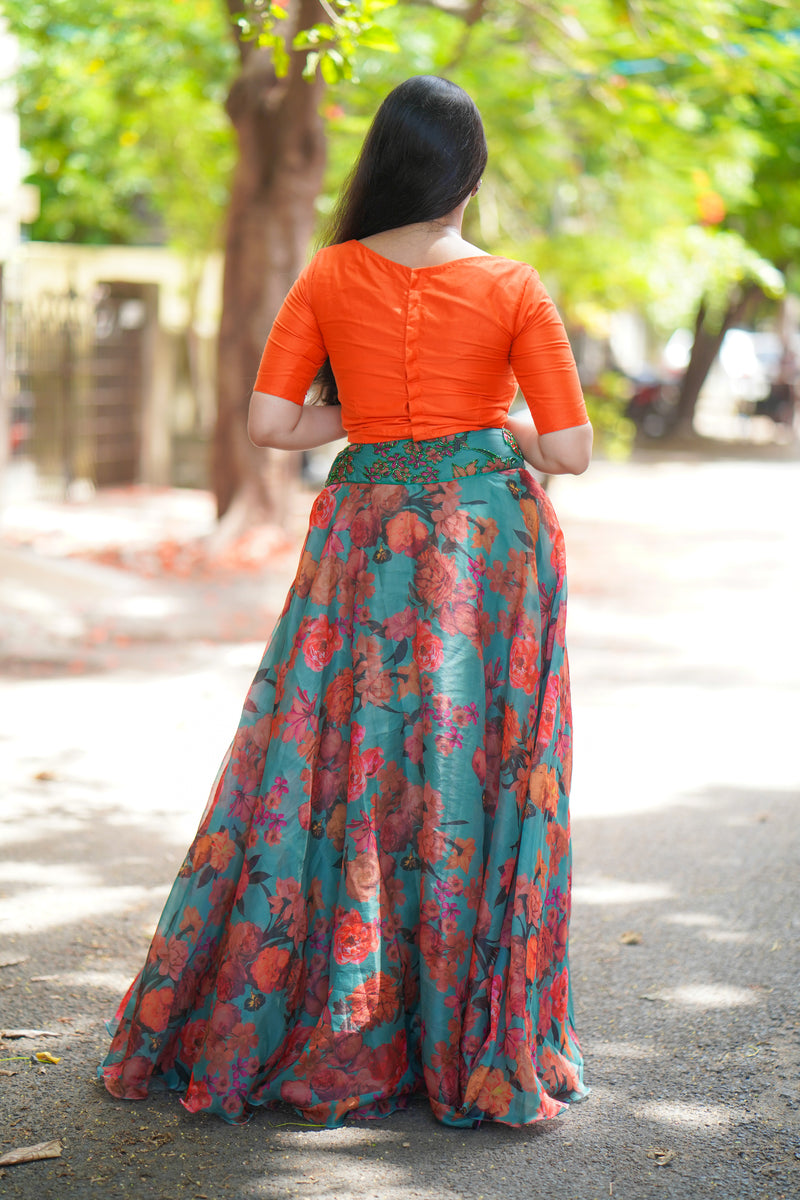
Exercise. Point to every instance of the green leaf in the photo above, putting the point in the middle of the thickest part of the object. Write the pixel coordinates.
(378, 37)
(311, 63)
(330, 69)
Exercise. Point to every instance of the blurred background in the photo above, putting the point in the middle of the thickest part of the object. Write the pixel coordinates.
(167, 170)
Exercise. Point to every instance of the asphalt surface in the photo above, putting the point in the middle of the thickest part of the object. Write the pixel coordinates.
(118, 699)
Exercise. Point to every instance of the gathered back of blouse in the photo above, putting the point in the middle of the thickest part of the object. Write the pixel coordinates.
(421, 352)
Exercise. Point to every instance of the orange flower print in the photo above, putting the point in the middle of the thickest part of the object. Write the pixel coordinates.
(339, 697)
(435, 578)
(301, 722)
(323, 506)
(560, 995)
(543, 791)
(262, 731)
(244, 940)
(363, 876)
(558, 841)
(462, 855)
(372, 1002)
(387, 498)
(530, 515)
(557, 1072)
(455, 527)
(406, 534)
(545, 1014)
(365, 528)
(354, 939)
(290, 904)
(375, 688)
(531, 948)
(130, 1081)
(270, 968)
(222, 850)
(320, 642)
(230, 980)
(523, 670)
(247, 760)
(401, 624)
(484, 532)
(335, 827)
(547, 718)
(428, 648)
(496, 1094)
(191, 1041)
(512, 731)
(306, 570)
(172, 955)
(155, 1009)
(326, 580)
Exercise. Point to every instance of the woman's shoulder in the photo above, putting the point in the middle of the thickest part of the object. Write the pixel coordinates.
(342, 252)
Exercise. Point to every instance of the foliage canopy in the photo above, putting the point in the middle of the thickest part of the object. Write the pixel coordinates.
(122, 117)
(642, 151)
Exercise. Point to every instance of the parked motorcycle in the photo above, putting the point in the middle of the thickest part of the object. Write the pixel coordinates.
(653, 406)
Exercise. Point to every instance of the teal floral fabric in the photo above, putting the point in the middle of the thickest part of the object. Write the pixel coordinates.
(376, 904)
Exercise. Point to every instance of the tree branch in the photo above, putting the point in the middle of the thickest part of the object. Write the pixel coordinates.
(243, 45)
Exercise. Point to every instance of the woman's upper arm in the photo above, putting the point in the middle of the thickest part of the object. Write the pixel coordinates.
(271, 417)
(542, 361)
(295, 348)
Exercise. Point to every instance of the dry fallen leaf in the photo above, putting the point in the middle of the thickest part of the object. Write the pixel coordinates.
(35, 1153)
(44, 1056)
(631, 938)
(12, 962)
(661, 1156)
(27, 1033)
(3, 1071)
(45, 776)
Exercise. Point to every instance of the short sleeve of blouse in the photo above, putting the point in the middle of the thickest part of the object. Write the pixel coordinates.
(542, 361)
(295, 349)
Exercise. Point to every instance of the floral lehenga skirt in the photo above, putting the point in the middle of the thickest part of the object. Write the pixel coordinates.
(376, 904)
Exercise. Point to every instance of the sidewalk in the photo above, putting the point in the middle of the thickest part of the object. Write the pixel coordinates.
(685, 654)
(81, 582)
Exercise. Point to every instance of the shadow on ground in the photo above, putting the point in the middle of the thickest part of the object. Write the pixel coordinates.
(683, 936)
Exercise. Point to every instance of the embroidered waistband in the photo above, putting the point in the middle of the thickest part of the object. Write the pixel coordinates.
(453, 456)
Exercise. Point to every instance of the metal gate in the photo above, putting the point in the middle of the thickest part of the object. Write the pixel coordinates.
(77, 372)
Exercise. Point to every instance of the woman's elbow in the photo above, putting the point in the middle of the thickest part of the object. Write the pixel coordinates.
(580, 461)
(270, 419)
(258, 425)
(573, 449)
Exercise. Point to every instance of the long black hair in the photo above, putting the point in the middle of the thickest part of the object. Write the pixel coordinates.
(424, 153)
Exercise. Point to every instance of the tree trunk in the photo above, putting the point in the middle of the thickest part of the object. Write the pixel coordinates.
(705, 348)
(270, 223)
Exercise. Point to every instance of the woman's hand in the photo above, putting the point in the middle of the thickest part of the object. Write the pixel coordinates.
(283, 425)
(565, 452)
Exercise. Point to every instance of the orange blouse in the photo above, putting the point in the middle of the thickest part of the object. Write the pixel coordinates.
(423, 351)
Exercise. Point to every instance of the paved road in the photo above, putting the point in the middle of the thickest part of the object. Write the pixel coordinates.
(686, 665)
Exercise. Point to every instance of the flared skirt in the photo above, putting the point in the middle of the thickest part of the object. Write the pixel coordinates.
(377, 900)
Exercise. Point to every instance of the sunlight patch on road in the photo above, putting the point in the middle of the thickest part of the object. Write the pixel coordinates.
(709, 995)
(619, 891)
(36, 909)
(615, 1050)
(116, 982)
(732, 936)
(693, 919)
(690, 1116)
